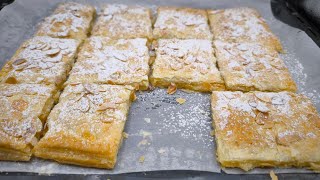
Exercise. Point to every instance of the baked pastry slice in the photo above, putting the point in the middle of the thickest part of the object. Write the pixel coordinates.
(41, 60)
(69, 20)
(106, 61)
(251, 66)
(189, 64)
(118, 21)
(85, 127)
(23, 110)
(262, 129)
(181, 23)
(242, 25)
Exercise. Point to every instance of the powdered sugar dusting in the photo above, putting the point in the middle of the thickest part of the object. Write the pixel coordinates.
(300, 76)
(124, 61)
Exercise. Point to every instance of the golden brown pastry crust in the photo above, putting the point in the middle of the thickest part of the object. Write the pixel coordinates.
(85, 127)
(181, 23)
(242, 25)
(189, 64)
(118, 21)
(106, 61)
(23, 110)
(259, 129)
(41, 60)
(250, 66)
(69, 20)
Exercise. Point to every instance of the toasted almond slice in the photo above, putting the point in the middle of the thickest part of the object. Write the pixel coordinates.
(172, 89)
(286, 139)
(176, 66)
(273, 175)
(106, 105)
(119, 56)
(19, 61)
(84, 104)
(52, 52)
(277, 100)
(262, 107)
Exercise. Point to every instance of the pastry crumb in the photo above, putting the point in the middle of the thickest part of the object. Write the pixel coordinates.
(145, 133)
(147, 120)
(181, 100)
(141, 159)
(143, 142)
(172, 89)
(273, 175)
(125, 135)
(161, 151)
(212, 133)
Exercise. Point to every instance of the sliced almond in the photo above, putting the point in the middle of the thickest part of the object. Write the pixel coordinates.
(277, 100)
(172, 89)
(176, 66)
(40, 46)
(190, 59)
(52, 52)
(287, 139)
(84, 104)
(32, 46)
(261, 118)
(106, 105)
(90, 89)
(263, 97)
(252, 103)
(19, 61)
(121, 57)
(108, 120)
(262, 108)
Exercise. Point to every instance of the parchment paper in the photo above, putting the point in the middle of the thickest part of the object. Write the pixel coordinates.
(169, 136)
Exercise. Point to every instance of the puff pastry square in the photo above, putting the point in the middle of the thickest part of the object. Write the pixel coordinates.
(122, 62)
(250, 66)
(41, 60)
(69, 20)
(242, 25)
(23, 110)
(264, 129)
(189, 64)
(181, 23)
(85, 127)
(118, 21)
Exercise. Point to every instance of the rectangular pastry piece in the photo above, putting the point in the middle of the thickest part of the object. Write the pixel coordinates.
(106, 61)
(85, 127)
(23, 110)
(41, 60)
(181, 23)
(250, 66)
(264, 129)
(118, 21)
(69, 20)
(189, 64)
(242, 25)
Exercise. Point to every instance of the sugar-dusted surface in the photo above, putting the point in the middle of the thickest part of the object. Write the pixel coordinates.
(102, 60)
(242, 25)
(258, 129)
(69, 20)
(42, 60)
(87, 122)
(189, 61)
(250, 66)
(19, 20)
(181, 23)
(119, 21)
(23, 107)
